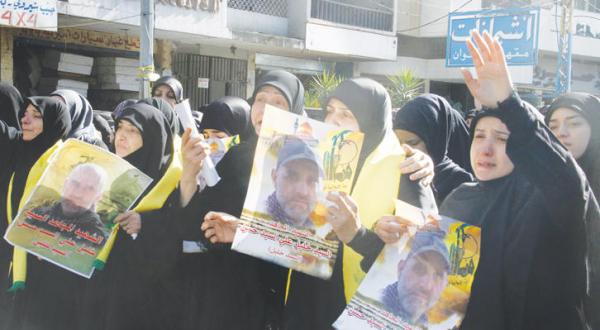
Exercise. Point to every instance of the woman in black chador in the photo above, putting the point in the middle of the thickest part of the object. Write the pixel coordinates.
(531, 200)
(126, 293)
(430, 124)
(33, 305)
(242, 292)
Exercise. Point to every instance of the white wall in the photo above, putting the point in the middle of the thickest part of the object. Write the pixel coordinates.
(345, 41)
(242, 20)
(433, 9)
(168, 18)
(582, 46)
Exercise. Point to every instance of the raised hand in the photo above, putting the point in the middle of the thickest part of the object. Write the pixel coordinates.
(493, 83)
(193, 152)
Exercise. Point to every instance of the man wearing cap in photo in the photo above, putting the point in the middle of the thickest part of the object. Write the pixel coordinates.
(296, 179)
(422, 277)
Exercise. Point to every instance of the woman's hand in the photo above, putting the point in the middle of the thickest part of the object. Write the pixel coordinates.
(130, 222)
(343, 217)
(193, 152)
(390, 228)
(219, 227)
(418, 164)
(493, 83)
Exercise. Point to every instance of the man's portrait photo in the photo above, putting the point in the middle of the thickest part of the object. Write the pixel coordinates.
(69, 213)
(74, 215)
(421, 278)
(297, 180)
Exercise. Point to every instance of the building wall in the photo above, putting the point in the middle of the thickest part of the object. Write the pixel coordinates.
(241, 20)
(423, 50)
(167, 17)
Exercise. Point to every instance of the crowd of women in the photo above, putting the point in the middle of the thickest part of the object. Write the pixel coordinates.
(530, 182)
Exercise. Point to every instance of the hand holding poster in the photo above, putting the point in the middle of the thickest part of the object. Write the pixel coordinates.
(69, 216)
(421, 282)
(297, 161)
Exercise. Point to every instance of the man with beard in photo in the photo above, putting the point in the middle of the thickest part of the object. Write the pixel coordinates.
(422, 277)
(297, 179)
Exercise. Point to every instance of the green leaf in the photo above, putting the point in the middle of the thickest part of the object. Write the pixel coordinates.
(320, 87)
(403, 87)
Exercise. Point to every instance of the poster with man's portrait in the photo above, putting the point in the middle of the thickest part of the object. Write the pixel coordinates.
(298, 160)
(421, 282)
(69, 215)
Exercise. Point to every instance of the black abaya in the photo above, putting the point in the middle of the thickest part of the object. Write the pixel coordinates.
(315, 303)
(126, 294)
(34, 307)
(240, 292)
(532, 271)
(588, 106)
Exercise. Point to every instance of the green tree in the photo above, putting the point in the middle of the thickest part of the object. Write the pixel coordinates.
(403, 87)
(320, 87)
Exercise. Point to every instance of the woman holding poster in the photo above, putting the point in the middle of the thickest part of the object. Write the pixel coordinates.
(531, 200)
(126, 293)
(363, 105)
(244, 292)
(44, 122)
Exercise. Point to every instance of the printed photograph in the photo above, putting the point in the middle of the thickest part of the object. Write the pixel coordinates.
(69, 215)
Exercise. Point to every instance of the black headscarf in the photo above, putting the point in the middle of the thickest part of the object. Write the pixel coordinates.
(121, 106)
(167, 110)
(370, 104)
(11, 102)
(228, 114)
(288, 84)
(82, 114)
(155, 154)
(57, 124)
(588, 106)
(246, 283)
(442, 128)
(173, 84)
(446, 135)
(102, 126)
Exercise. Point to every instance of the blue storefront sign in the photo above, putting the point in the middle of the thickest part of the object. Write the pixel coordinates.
(516, 28)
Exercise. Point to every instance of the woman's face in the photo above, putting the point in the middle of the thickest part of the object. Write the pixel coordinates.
(32, 123)
(166, 93)
(128, 138)
(571, 129)
(411, 139)
(214, 133)
(488, 150)
(266, 95)
(338, 114)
